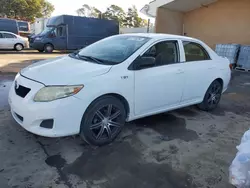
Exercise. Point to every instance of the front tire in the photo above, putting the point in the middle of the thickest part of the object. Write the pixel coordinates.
(103, 121)
(212, 97)
(49, 48)
(18, 47)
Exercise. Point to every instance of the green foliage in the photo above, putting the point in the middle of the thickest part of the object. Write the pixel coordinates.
(88, 11)
(114, 12)
(25, 9)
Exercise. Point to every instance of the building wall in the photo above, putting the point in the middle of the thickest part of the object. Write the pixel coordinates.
(168, 21)
(226, 21)
(124, 30)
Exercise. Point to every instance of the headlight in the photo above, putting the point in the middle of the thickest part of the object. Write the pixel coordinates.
(38, 38)
(51, 93)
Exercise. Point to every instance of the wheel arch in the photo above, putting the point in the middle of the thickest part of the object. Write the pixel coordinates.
(219, 80)
(49, 44)
(216, 79)
(118, 96)
(18, 43)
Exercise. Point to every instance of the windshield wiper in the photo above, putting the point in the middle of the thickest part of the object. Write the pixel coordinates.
(98, 61)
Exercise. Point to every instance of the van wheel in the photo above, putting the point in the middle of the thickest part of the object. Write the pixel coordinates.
(103, 121)
(212, 97)
(18, 47)
(48, 48)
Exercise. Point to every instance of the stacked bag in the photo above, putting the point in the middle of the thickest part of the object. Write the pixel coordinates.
(244, 58)
(239, 171)
(229, 51)
(238, 55)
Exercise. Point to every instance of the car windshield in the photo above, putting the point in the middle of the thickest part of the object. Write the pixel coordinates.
(113, 50)
(47, 30)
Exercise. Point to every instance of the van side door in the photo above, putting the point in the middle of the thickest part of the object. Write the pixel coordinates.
(59, 38)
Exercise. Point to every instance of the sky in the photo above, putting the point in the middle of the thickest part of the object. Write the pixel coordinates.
(70, 6)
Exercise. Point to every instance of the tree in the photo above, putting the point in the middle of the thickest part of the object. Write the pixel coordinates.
(133, 19)
(48, 8)
(115, 12)
(88, 11)
(25, 9)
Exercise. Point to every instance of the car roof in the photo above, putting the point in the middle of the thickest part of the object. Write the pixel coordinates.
(159, 36)
(7, 32)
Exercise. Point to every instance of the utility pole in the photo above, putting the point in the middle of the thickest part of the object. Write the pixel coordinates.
(148, 25)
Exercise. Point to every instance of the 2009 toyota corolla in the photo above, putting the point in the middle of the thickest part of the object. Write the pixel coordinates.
(95, 91)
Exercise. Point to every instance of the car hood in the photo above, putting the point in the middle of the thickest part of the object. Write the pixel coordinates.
(63, 70)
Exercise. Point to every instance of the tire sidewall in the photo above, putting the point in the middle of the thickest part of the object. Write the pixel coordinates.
(86, 133)
(204, 105)
(46, 48)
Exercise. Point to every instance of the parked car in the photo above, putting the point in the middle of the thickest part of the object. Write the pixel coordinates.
(9, 25)
(10, 40)
(67, 32)
(93, 92)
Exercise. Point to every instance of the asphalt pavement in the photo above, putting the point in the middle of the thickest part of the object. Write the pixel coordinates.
(182, 148)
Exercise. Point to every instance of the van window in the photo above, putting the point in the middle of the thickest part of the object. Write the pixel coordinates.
(23, 26)
(1, 35)
(8, 35)
(60, 31)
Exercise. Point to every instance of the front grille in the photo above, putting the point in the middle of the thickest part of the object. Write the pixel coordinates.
(31, 40)
(19, 117)
(21, 90)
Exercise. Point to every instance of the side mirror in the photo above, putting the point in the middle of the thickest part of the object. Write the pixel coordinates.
(145, 62)
(52, 35)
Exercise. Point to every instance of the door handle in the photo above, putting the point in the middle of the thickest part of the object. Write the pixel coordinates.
(212, 67)
(179, 71)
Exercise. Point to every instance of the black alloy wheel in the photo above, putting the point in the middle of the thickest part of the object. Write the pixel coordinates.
(212, 96)
(103, 121)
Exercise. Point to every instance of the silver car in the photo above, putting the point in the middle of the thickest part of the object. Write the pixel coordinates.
(10, 40)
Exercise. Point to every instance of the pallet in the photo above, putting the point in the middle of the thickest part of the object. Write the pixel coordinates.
(242, 69)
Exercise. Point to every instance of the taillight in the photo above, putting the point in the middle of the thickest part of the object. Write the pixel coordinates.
(231, 66)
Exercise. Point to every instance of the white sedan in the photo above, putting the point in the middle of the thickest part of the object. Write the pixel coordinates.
(11, 41)
(93, 92)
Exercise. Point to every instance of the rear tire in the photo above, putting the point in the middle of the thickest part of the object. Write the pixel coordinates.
(103, 121)
(18, 47)
(212, 97)
(48, 48)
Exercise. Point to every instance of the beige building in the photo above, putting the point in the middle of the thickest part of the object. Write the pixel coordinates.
(213, 21)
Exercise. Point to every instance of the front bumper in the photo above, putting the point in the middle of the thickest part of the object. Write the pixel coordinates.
(37, 45)
(66, 113)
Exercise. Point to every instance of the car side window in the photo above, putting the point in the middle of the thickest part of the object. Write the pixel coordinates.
(1, 35)
(165, 53)
(195, 52)
(8, 35)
